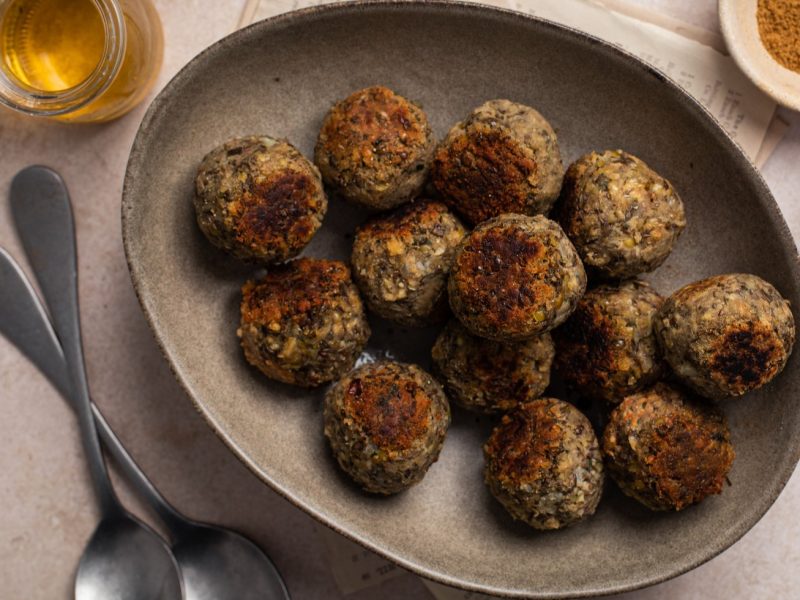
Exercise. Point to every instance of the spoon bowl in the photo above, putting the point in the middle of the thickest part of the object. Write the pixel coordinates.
(219, 564)
(124, 560)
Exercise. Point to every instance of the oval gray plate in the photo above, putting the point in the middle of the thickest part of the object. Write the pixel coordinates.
(280, 77)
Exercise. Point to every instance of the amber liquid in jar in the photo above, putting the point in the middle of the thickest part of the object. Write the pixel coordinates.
(55, 47)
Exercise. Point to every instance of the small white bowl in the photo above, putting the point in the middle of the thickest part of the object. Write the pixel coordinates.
(740, 30)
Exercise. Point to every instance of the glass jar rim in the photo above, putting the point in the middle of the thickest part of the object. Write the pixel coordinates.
(19, 96)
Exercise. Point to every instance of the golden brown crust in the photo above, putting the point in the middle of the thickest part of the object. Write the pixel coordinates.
(746, 355)
(484, 172)
(405, 221)
(667, 450)
(524, 447)
(505, 271)
(392, 410)
(515, 277)
(607, 348)
(727, 334)
(373, 125)
(276, 212)
(386, 423)
(374, 147)
(259, 198)
(303, 323)
(503, 158)
(295, 291)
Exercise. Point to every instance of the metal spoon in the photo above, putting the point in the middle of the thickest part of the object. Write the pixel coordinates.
(124, 558)
(215, 563)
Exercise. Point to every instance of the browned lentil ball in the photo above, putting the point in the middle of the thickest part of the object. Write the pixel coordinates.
(259, 198)
(607, 349)
(543, 464)
(401, 262)
(374, 148)
(515, 277)
(503, 158)
(386, 423)
(726, 335)
(667, 450)
(488, 376)
(303, 323)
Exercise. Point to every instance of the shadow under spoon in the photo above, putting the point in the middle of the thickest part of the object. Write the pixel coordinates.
(215, 563)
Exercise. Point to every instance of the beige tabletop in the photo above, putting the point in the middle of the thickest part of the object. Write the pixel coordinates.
(48, 511)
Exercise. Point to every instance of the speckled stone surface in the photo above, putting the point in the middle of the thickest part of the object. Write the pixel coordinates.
(48, 508)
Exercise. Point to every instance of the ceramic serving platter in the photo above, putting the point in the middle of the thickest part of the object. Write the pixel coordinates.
(279, 77)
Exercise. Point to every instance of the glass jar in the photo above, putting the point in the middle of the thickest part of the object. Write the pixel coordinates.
(78, 60)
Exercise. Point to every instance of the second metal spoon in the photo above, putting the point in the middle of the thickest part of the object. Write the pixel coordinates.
(124, 559)
(215, 563)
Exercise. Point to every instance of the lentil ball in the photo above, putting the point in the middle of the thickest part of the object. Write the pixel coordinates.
(303, 323)
(386, 423)
(374, 148)
(488, 376)
(503, 158)
(667, 450)
(623, 217)
(543, 464)
(515, 277)
(726, 335)
(401, 262)
(607, 349)
(259, 199)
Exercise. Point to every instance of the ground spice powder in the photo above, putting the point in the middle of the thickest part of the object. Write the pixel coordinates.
(779, 28)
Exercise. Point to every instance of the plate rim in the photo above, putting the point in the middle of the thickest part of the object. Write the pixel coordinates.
(344, 6)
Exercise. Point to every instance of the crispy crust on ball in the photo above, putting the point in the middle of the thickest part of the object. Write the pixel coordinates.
(386, 424)
(503, 158)
(543, 464)
(726, 335)
(303, 323)
(401, 262)
(515, 277)
(488, 376)
(666, 450)
(374, 148)
(623, 217)
(259, 199)
(607, 349)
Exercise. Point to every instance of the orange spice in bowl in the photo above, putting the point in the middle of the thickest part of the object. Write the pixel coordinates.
(779, 29)
(763, 38)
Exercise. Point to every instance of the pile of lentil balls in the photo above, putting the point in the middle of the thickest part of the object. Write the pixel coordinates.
(462, 236)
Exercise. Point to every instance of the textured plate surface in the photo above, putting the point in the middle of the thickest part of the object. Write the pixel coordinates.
(279, 77)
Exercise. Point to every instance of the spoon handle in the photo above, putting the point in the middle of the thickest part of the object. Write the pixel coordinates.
(24, 322)
(168, 515)
(43, 217)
